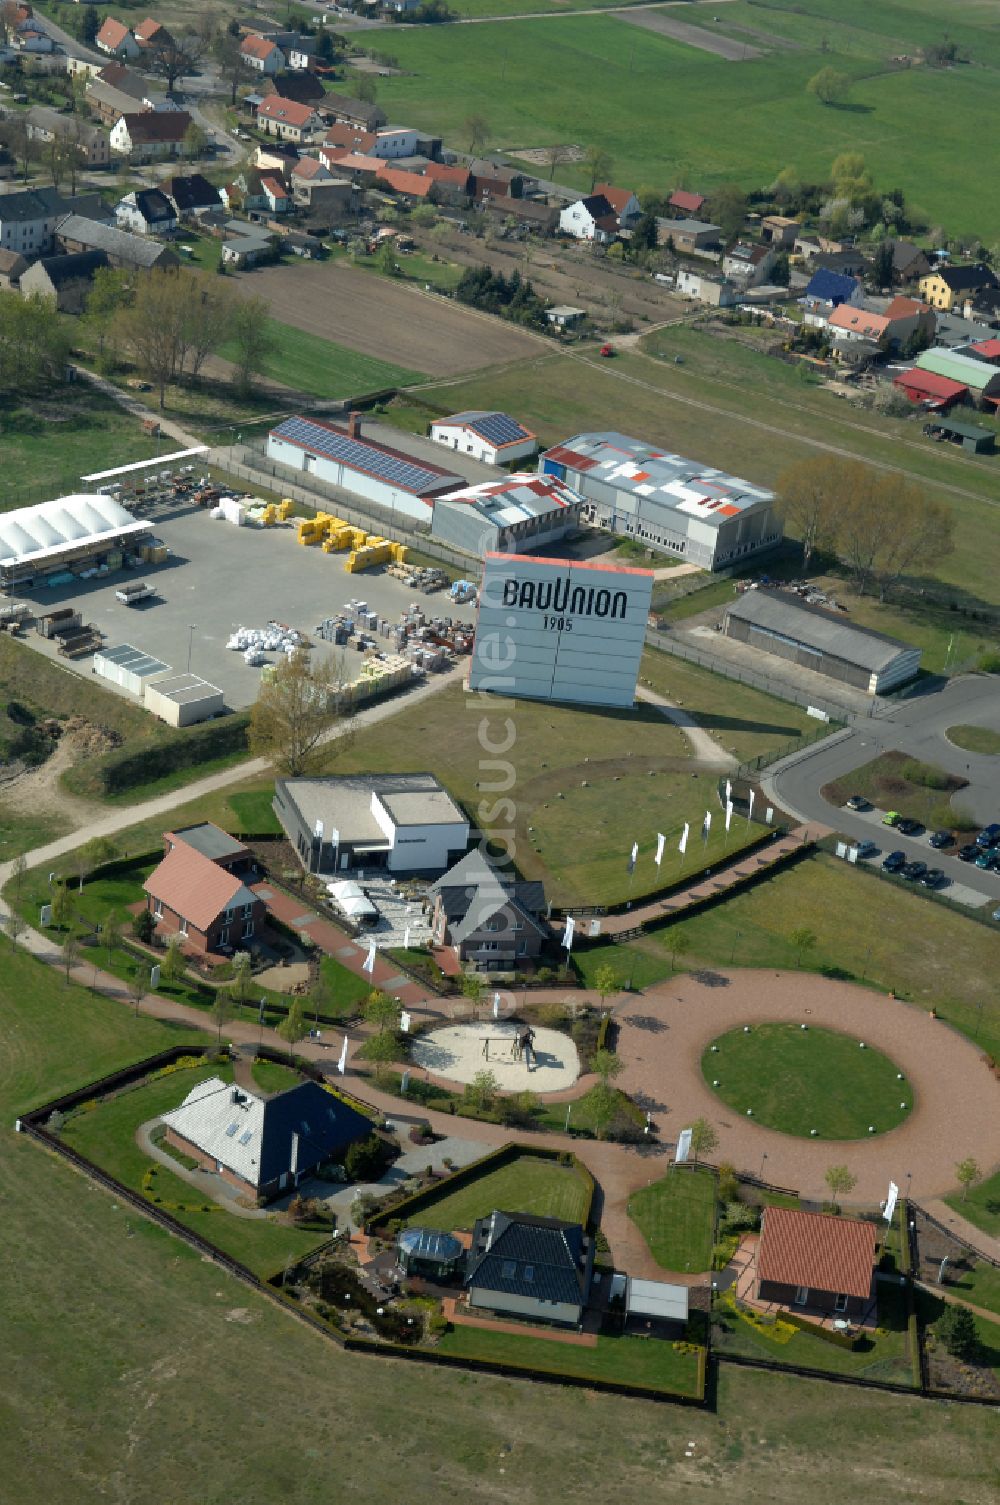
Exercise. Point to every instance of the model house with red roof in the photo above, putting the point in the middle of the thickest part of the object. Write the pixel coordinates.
(812, 1261)
(287, 119)
(200, 891)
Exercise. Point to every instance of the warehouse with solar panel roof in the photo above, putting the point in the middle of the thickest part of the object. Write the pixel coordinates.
(492, 437)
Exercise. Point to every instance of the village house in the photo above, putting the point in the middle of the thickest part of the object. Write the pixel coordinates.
(688, 236)
(945, 286)
(65, 280)
(74, 232)
(245, 192)
(354, 111)
(488, 920)
(200, 890)
(152, 136)
(526, 1266)
(591, 218)
(909, 262)
(624, 203)
(685, 203)
(412, 185)
(279, 200)
(147, 211)
(152, 34)
(826, 291)
(28, 217)
(286, 119)
(814, 1263)
(193, 195)
(262, 55)
(12, 266)
(717, 292)
(778, 230)
(748, 264)
(116, 39)
(91, 144)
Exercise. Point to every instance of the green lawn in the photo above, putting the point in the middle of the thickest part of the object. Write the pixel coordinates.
(637, 1361)
(888, 782)
(798, 1080)
(106, 1135)
(112, 1331)
(980, 1285)
(676, 1217)
(347, 989)
(309, 363)
(271, 1076)
(526, 1184)
(981, 1206)
(532, 83)
(255, 812)
(871, 930)
(50, 442)
(975, 739)
(875, 1358)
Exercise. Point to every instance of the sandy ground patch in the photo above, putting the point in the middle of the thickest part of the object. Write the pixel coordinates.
(692, 36)
(284, 979)
(387, 319)
(458, 1052)
(543, 156)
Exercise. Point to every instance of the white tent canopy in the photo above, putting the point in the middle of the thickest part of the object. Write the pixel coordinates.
(51, 528)
(351, 898)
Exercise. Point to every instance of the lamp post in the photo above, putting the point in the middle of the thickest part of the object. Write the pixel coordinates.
(191, 632)
(763, 1160)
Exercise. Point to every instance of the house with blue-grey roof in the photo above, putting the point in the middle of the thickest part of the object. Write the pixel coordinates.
(343, 458)
(533, 1267)
(263, 1145)
(492, 437)
(827, 290)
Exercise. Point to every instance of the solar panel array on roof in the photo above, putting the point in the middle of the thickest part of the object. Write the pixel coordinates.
(371, 459)
(496, 428)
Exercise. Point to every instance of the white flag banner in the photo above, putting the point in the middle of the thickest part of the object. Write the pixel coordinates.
(405, 1021)
(634, 857)
(750, 805)
(496, 1005)
(890, 1202)
(683, 1146)
(729, 812)
(568, 933)
(682, 845)
(318, 830)
(706, 824)
(729, 791)
(154, 976)
(406, 939)
(342, 1062)
(368, 965)
(661, 842)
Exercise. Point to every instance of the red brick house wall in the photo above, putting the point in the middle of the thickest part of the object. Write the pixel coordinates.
(784, 1295)
(168, 922)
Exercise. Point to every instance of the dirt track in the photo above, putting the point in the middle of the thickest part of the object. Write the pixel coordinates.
(693, 36)
(387, 319)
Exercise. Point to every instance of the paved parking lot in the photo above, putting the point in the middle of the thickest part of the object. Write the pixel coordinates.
(889, 840)
(221, 577)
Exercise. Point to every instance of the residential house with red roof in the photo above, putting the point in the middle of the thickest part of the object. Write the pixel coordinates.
(116, 39)
(413, 185)
(810, 1261)
(286, 118)
(686, 203)
(279, 200)
(263, 55)
(150, 136)
(623, 201)
(201, 891)
(590, 218)
(151, 34)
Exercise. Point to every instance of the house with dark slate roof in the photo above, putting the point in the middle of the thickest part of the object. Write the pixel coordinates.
(493, 921)
(533, 1267)
(65, 280)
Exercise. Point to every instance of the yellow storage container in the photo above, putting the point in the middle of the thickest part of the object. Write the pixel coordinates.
(286, 508)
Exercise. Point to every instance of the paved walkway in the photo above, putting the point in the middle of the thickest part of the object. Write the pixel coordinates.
(707, 752)
(961, 1227)
(723, 878)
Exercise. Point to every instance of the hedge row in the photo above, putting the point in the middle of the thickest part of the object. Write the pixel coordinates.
(119, 771)
(828, 1335)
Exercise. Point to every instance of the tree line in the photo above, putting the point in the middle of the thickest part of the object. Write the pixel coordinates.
(169, 321)
(511, 297)
(880, 526)
(34, 344)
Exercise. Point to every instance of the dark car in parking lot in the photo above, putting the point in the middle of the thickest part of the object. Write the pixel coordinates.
(988, 859)
(894, 862)
(941, 839)
(934, 878)
(858, 802)
(968, 853)
(908, 827)
(913, 871)
(988, 836)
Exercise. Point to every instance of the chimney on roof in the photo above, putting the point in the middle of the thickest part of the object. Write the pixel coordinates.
(354, 425)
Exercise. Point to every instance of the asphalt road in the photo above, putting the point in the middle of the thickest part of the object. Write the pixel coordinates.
(916, 727)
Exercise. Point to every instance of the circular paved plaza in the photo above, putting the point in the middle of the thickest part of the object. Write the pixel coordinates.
(956, 1100)
(457, 1052)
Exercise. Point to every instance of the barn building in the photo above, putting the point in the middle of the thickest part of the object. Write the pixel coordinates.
(341, 457)
(667, 503)
(823, 641)
(495, 438)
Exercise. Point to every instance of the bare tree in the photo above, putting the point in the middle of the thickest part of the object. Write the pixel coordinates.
(137, 984)
(477, 132)
(233, 69)
(16, 926)
(809, 505)
(293, 714)
(70, 954)
(176, 57)
(600, 165)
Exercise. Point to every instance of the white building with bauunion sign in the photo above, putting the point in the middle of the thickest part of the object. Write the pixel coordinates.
(549, 629)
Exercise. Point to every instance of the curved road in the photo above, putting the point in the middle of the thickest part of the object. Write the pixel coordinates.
(916, 727)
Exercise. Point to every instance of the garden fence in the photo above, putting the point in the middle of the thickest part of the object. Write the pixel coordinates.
(950, 1233)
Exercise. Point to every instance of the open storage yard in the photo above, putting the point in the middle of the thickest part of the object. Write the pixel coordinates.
(385, 319)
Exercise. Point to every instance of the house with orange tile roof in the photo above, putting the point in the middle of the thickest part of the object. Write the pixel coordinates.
(263, 55)
(116, 39)
(200, 891)
(811, 1260)
(286, 118)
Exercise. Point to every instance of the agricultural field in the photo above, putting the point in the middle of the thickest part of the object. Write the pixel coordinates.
(388, 320)
(310, 363)
(532, 82)
(865, 928)
(48, 443)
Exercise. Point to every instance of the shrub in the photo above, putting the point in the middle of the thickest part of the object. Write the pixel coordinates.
(144, 925)
(364, 1158)
(956, 1328)
(916, 772)
(988, 663)
(728, 1186)
(738, 1217)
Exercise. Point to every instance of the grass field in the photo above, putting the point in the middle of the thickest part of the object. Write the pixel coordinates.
(271, 1076)
(676, 1217)
(526, 1184)
(531, 83)
(747, 413)
(112, 1333)
(888, 782)
(980, 1286)
(871, 930)
(982, 1205)
(106, 1135)
(49, 443)
(626, 1360)
(799, 1080)
(308, 363)
(975, 739)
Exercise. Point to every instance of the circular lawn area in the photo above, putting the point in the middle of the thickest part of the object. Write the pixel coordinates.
(799, 1080)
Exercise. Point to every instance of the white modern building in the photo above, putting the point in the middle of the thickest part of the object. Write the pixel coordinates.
(664, 501)
(492, 437)
(401, 822)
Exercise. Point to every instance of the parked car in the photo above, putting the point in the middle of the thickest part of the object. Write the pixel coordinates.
(894, 862)
(908, 827)
(866, 849)
(858, 802)
(987, 859)
(988, 836)
(996, 914)
(934, 878)
(890, 818)
(941, 839)
(968, 853)
(913, 871)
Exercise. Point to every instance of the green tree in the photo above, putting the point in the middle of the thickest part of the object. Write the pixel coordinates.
(606, 982)
(110, 290)
(880, 275)
(606, 1065)
(111, 933)
(89, 24)
(173, 964)
(18, 869)
(381, 1009)
(293, 1027)
(850, 177)
(840, 1181)
(599, 165)
(144, 926)
(195, 141)
(645, 233)
(365, 88)
(809, 505)
(803, 939)
(241, 988)
(221, 1012)
(967, 1173)
(137, 984)
(381, 1051)
(385, 258)
(63, 905)
(253, 342)
(295, 712)
(704, 1138)
(473, 989)
(956, 1328)
(602, 1102)
(728, 209)
(829, 86)
(673, 945)
(482, 1090)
